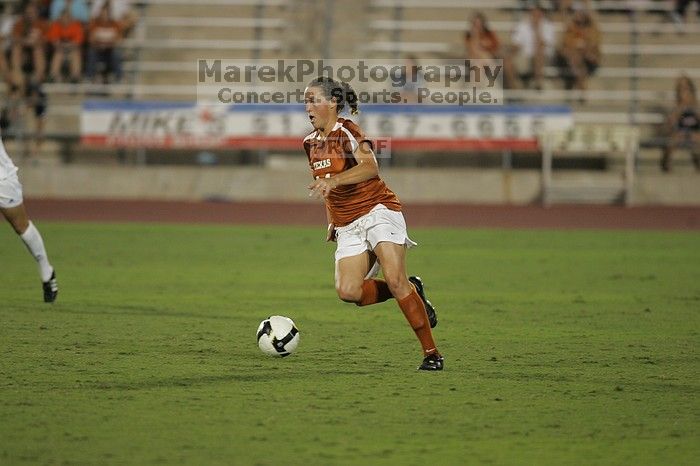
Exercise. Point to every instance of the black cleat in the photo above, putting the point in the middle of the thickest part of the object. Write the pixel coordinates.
(429, 309)
(50, 289)
(432, 362)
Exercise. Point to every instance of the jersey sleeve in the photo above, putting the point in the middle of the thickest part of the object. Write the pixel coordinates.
(353, 137)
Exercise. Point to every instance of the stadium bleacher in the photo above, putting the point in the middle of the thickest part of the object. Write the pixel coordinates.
(643, 53)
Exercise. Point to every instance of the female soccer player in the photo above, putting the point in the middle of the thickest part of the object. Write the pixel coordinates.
(364, 215)
(12, 208)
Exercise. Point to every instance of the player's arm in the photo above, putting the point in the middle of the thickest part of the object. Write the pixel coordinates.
(366, 168)
(330, 234)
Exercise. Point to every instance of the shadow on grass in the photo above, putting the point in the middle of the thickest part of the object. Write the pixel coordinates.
(141, 310)
(614, 383)
(171, 382)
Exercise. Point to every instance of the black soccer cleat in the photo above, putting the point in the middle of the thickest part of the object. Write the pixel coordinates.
(432, 362)
(50, 289)
(429, 309)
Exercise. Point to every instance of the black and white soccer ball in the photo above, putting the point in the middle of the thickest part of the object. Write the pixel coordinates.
(278, 336)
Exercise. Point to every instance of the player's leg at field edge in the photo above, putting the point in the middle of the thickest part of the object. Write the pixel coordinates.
(17, 217)
(392, 257)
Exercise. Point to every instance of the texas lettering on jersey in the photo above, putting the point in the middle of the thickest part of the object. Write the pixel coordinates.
(333, 154)
(321, 164)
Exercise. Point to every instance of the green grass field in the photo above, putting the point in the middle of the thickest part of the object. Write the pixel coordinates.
(561, 348)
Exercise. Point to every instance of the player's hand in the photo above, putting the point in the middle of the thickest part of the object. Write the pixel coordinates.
(330, 235)
(321, 187)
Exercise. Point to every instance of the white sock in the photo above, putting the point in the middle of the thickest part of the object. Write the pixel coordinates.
(35, 244)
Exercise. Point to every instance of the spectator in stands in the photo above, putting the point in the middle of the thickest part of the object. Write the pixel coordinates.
(481, 42)
(578, 56)
(26, 70)
(104, 36)
(532, 46)
(78, 10)
(3, 61)
(66, 36)
(680, 8)
(564, 9)
(6, 23)
(42, 7)
(683, 124)
(29, 47)
(120, 10)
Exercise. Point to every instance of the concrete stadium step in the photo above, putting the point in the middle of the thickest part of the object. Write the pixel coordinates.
(181, 78)
(587, 186)
(194, 55)
(196, 9)
(428, 14)
(62, 124)
(600, 83)
(495, 14)
(204, 33)
(504, 27)
(456, 36)
(650, 38)
(342, 28)
(455, 50)
(658, 61)
(212, 22)
(26, 153)
(587, 194)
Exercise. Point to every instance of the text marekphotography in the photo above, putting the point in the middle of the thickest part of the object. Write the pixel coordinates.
(465, 82)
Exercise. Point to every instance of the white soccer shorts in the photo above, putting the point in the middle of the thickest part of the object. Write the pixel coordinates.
(380, 224)
(10, 192)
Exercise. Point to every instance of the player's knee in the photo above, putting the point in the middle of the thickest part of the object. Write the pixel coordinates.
(398, 284)
(349, 292)
(19, 225)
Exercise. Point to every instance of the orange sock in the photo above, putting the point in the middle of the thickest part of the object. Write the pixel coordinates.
(414, 310)
(374, 291)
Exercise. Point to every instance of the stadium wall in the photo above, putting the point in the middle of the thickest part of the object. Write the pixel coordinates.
(483, 186)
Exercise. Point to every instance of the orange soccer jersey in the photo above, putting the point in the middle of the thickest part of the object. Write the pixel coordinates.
(334, 154)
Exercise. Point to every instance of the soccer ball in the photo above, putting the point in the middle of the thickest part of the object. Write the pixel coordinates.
(278, 336)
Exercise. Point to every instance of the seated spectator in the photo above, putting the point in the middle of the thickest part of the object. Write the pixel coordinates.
(26, 70)
(28, 55)
(680, 8)
(7, 21)
(481, 42)
(683, 124)
(66, 36)
(561, 7)
(41, 5)
(104, 35)
(3, 61)
(578, 56)
(532, 46)
(120, 10)
(78, 10)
